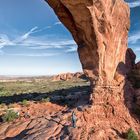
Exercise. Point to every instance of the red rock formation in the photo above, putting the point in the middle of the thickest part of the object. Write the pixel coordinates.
(100, 29)
(64, 76)
(68, 76)
(138, 66)
(130, 59)
(138, 98)
(137, 83)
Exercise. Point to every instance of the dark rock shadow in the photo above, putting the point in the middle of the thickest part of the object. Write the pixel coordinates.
(72, 97)
(19, 136)
(129, 90)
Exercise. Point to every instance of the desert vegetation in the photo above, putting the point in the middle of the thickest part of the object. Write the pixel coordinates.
(43, 86)
(24, 93)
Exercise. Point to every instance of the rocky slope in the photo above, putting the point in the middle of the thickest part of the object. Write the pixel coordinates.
(47, 119)
(52, 120)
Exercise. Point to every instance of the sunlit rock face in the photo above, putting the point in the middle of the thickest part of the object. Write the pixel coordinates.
(100, 29)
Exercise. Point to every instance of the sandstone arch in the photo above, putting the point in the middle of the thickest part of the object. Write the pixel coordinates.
(100, 29)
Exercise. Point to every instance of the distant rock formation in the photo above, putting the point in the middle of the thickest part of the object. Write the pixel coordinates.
(68, 76)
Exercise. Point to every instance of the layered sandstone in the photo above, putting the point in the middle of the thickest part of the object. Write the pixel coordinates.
(100, 29)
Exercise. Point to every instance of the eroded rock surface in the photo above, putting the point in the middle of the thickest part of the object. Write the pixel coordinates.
(49, 121)
(100, 29)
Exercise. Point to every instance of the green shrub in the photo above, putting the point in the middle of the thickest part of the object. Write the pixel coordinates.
(1, 89)
(24, 102)
(131, 135)
(10, 115)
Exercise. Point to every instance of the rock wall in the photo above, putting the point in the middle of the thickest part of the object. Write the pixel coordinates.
(100, 29)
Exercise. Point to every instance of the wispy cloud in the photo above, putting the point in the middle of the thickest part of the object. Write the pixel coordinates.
(137, 49)
(30, 32)
(57, 23)
(26, 35)
(4, 40)
(133, 38)
(71, 49)
(25, 39)
(134, 4)
(28, 41)
(38, 43)
(35, 55)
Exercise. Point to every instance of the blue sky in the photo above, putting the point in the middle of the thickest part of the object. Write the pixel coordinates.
(34, 42)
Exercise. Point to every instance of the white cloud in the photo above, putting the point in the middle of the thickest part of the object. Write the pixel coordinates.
(57, 23)
(137, 52)
(38, 42)
(137, 49)
(134, 4)
(26, 35)
(31, 31)
(133, 38)
(137, 59)
(71, 49)
(43, 43)
(4, 40)
(35, 54)
(21, 40)
(40, 30)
